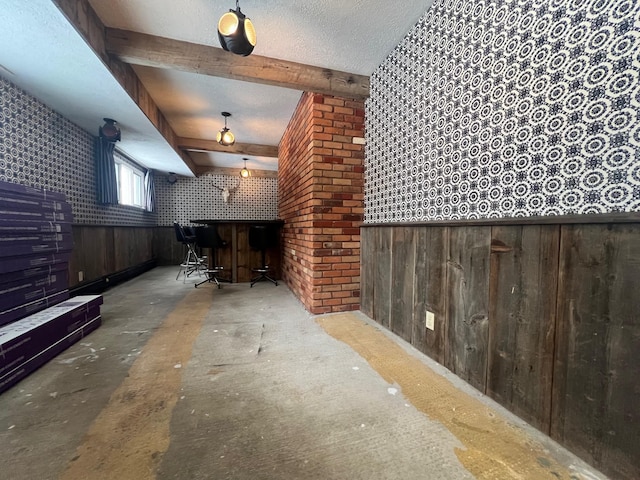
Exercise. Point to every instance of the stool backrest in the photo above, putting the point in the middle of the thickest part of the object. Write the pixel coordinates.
(181, 236)
(262, 237)
(208, 237)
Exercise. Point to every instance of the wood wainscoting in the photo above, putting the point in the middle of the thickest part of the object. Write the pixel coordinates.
(543, 318)
(100, 252)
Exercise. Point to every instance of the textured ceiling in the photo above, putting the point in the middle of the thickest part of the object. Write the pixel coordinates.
(52, 62)
(352, 36)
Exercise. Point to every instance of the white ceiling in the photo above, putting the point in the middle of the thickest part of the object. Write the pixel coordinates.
(48, 58)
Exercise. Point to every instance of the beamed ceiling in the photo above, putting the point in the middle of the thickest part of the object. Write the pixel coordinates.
(157, 68)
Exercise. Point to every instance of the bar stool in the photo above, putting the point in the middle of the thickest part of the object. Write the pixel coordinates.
(262, 237)
(208, 237)
(192, 262)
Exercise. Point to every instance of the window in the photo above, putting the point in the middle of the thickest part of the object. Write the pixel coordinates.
(130, 180)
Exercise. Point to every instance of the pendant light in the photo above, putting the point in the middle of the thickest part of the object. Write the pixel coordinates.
(236, 32)
(225, 136)
(244, 173)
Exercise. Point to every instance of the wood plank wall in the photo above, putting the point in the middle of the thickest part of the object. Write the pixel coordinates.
(237, 257)
(99, 251)
(545, 319)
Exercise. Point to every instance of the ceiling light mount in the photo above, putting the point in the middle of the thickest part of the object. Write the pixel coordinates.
(244, 173)
(236, 32)
(225, 137)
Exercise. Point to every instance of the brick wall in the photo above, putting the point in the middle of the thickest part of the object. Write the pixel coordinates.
(320, 183)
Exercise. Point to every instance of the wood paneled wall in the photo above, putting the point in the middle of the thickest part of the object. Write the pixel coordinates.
(100, 251)
(545, 319)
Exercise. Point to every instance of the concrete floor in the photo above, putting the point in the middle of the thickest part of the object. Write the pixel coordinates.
(243, 383)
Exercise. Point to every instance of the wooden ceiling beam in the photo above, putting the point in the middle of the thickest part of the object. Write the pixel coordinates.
(87, 23)
(234, 172)
(153, 51)
(252, 149)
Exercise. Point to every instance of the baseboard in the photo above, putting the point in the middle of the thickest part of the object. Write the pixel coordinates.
(101, 284)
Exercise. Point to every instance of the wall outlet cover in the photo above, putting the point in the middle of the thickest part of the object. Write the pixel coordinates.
(430, 320)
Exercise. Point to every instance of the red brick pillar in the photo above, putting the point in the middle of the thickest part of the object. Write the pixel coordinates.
(320, 183)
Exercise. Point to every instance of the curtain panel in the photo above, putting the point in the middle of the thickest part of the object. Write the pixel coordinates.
(106, 183)
(149, 191)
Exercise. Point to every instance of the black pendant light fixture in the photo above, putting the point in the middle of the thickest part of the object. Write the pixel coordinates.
(244, 173)
(236, 32)
(225, 136)
(109, 131)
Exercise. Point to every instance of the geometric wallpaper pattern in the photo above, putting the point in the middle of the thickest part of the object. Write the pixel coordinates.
(493, 109)
(40, 148)
(253, 198)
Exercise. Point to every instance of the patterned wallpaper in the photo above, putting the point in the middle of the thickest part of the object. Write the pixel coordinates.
(507, 108)
(253, 198)
(40, 148)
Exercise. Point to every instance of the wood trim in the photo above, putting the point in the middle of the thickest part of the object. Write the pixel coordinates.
(233, 172)
(631, 217)
(153, 51)
(253, 149)
(84, 19)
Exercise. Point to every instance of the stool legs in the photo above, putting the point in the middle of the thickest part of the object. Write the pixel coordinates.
(263, 275)
(263, 272)
(191, 263)
(213, 271)
(211, 277)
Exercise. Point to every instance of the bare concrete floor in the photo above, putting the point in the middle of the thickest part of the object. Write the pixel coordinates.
(242, 383)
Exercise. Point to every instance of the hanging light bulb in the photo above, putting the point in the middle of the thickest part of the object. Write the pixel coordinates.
(225, 136)
(244, 173)
(236, 32)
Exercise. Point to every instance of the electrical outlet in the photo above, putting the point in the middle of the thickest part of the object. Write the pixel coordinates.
(430, 320)
(80, 276)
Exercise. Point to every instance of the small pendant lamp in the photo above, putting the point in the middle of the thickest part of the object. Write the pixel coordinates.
(244, 173)
(225, 136)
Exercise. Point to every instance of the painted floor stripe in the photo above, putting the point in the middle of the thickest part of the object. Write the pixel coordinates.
(130, 435)
(495, 448)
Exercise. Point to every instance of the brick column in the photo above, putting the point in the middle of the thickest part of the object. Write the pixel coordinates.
(320, 185)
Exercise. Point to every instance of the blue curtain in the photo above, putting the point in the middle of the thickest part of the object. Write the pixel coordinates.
(106, 184)
(149, 191)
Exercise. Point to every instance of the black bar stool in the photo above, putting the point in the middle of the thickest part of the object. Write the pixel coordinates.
(208, 237)
(262, 237)
(192, 262)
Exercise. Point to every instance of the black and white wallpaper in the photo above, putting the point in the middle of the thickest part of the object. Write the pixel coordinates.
(253, 198)
(42, 149)
(507, 109)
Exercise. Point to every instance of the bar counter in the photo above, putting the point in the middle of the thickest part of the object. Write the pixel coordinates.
(238, 257)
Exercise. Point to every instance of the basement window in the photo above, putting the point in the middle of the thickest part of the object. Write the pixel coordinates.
(130, 178)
